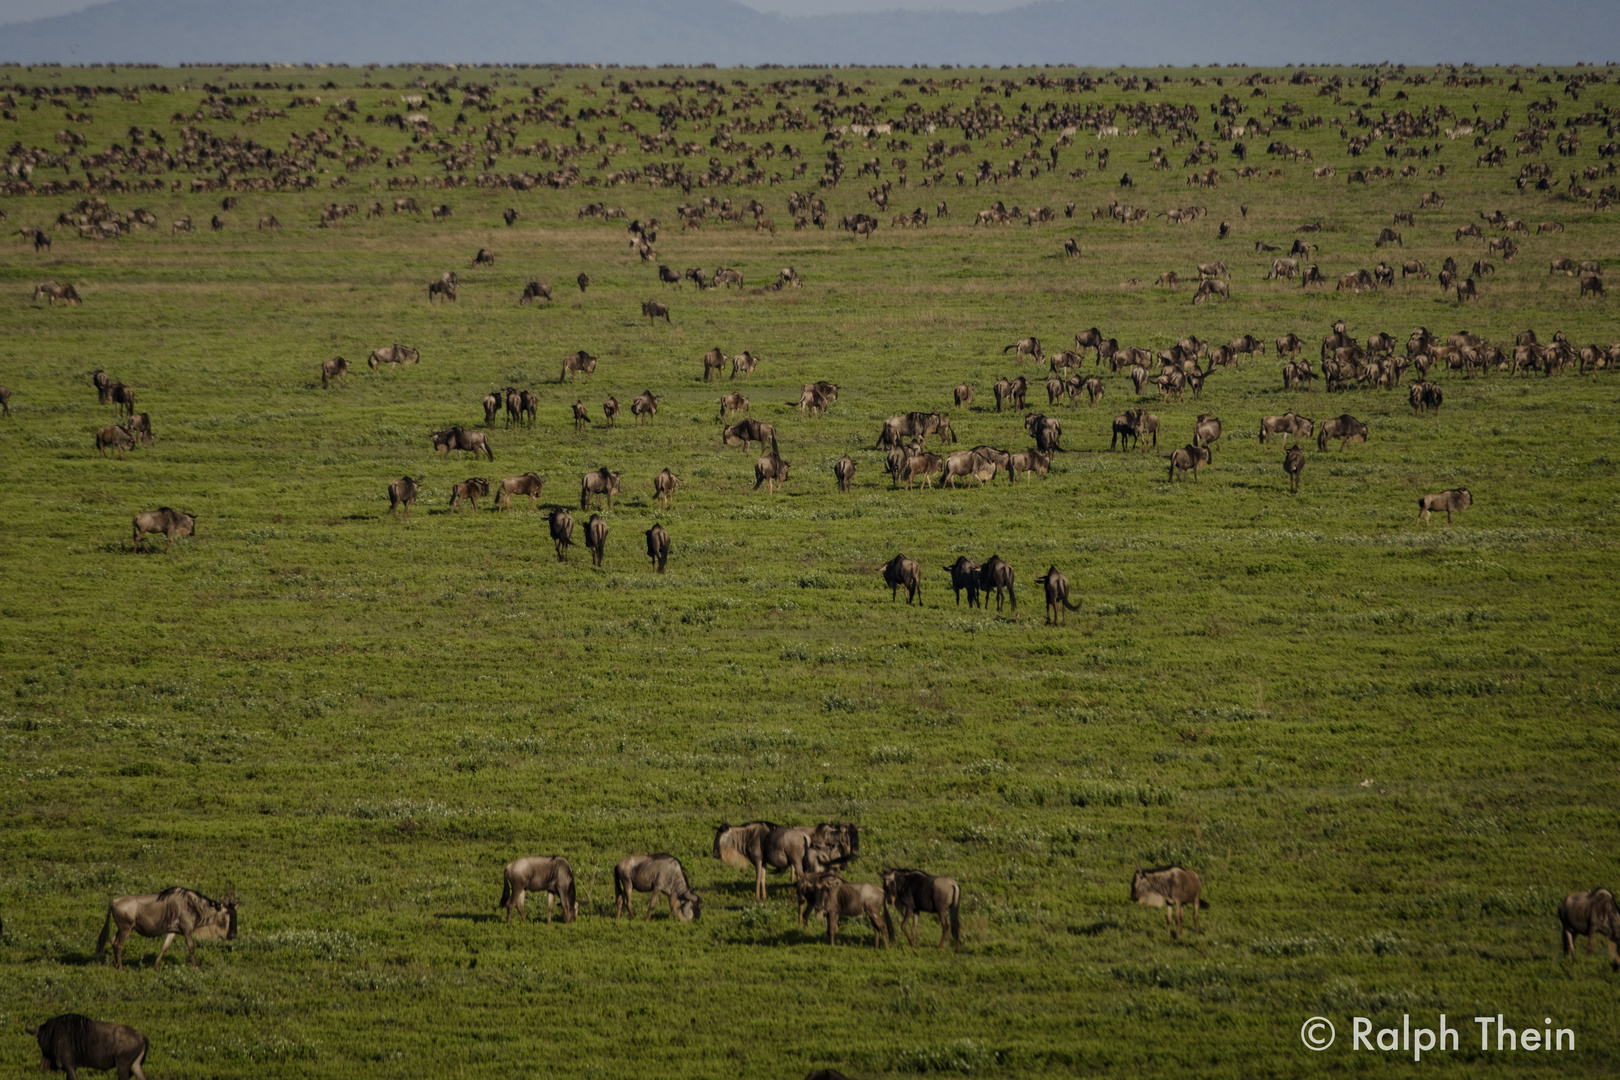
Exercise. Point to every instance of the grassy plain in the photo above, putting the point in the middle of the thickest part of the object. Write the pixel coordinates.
(1388, 749)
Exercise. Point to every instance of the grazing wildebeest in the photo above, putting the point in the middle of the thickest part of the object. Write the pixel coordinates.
(1071, 249)
(645, 406)
(1188, 458)
(446, 289)
(964, 575)
(534, 290)
(744, 432)
(667, 276)
(1293, 465)
(836, 898)
(402, 492)
(844, 471)
(440, 211)
(1300, 427)
(1169, 887)
(994, 576)
(1023, 347)
(394, 354)
(581, 361)
(332, 370)
(1207, 431)
(269, 221)
(406, 205)
(771, 471)
(459, 438)
(901, 571)
(1456, 500)
(550, 874)
(469, 489)
(731, 403)
(170, 522)
(655, 874)
(1289, 344)
(528, 484)
(1057, 593)
(1413, 267)
(800, 850)
(658, 546)
(52, 292)
(485, 257)
(596, 532)
(1344, 427)
(598, 484)
(713, 361)
(116, 437)
(655, 311)
(561, 525)
(743, 364)
(1590, 913)
(664, 487)
(173, 911)
(913, 892)
(71, 1042)
(582, 416)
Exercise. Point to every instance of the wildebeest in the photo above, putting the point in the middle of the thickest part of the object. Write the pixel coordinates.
(1010, 393)
(1212, 287)
(1590, 913)
(1426, 395)
(1188, 458)
(459, 438)
(332, 370)
(743, 364)
(103, 384)
(1388, 236)
(913, 892)
(561, 525)
(580, 361)
(269, 221)
(406, 205)
(1593, 285)
(1455, 500)
(582, 416)
(596, 532)
(1057, 593)
(645, 406)
(394, 354)
(1030, 347)
(71, 1042)
(901, 572)
(1300, 427)
(440, 211)
(598, 484)
(836, 898)
(402, 492)
(844, 471)
(744, 432)
(1467, 290)
(123, 397)
(52, 292)
(485, 257)
(1344, 427)
(733, 402)
(166, 520)
(655, 311)
(771, 471)
(5, 401)
(713, 361)
(469, 489)
(1169, 887)
(1207, 431)
(534, 290)
(175, 910)
(1045, 430)
(664, 487)
(1293, 465)
(528, 484)
(116, 437)
(658, 546)
(550, 874)
(964, 575)
(994, 576)
(800, 850)
(659, 873)
(446, 289)
(583, 281)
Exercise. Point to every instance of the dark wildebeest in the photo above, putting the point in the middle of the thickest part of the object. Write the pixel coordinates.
(1095, 388)
(655, 311)
(509, 215)
(1045, 430)
(1188, 457)
(485, 257)
(1125, 428)
(963, 394)
(528, 407)
(402, 492)
(1071, 249)
(800, 850)
(5, 401)
(577, 362)
(173, 911)
(459, 438)
(913, 892)
(562, 532)
(1344, 427)
(170, 522)
(771, 471)
(1169, 887)
(844, 471)
(964, 575)
(658, 546)
(528, 484)
(116, 437)
(583, 281)
(731, 403)
(1300, 427)
(596, 532)
(1057, 593)
(1591, 283)
(123, 397)
(469, 489)
(664, 487)
(1293, 465)
(645, 406)
(1590, 913)
(713, 362)
(103, 385)
(446, 289)
(655, 874)
(901, 571)
(1455, 500)
(994, 576)
(834, 898)
(71, 1042)
(667, 276)
(332, 370)
(597, 484)
(534, 290)
(744, 432)
(549, 874)
(1206, 431)
(582, 417)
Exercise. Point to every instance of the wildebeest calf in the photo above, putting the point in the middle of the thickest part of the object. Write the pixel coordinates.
(469, 489)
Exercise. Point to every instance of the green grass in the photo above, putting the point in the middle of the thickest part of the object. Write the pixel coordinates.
(1388, 749)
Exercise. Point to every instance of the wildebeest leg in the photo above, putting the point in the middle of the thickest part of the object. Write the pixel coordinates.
(191, 948)
(161, 950)
(908, 923)
(550, 899)
(832, 926)
(759, 882)
(123, 936)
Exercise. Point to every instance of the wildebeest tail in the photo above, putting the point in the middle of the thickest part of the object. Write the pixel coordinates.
(956, 916)
(106, 934)
(570, 900)
(506, 891)
(774, 451)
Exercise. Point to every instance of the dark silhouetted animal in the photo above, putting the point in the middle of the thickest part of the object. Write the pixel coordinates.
(470, 490)
(994, 576)
(332, 370)
(658, 546)
(1057, 594)
(844, 471)
(1293, 465)
(71, 1042)
(596, 532)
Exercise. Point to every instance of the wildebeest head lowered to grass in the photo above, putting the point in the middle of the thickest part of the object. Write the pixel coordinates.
(913, 892)
(71, 1042)
(459, 438)
(1169, 887)
(659, 873)
(800, 850)
(173, 911)
(550, 874)
(1590, 913)
(166, 520)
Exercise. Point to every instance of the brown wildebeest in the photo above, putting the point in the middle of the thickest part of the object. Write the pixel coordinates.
(469, 489)
(836, 898)
(269, 222)
(332, 370)
(1045, 430)
(116, 437)
(901, 572)
(528, 408)
(406, 205)
(1289, 344)
(913, 892)
(655, 311)
(1455, 500)
(1057, 593)
(1590, 913)
(744, 432)
(1467, 290)
(459, 438)
(581, 361)
(1345, 428)
(402, 492)
(440, 211)
(562, 532)
(1212, 287)
(645, 406)
(534, 290)
(528, 484)
(394, 354)
(1071, 249)
(920, 465)
(1413, 267)
(1169, 887)
(138, 425)
(1125, 429)
(800, 850)
(170, 522)
(1169, 279)
(713, 361)
(1025, 347)
(103, 384)
(598, 484)
(994, 576)
(71, 1042)
(658, 546)
(52, 292)
(1095, 388)
(664, 487)
(1027, 461)
(964, 575)
(1593, 285)
(173, 911)
(1388, 236)
(659, 873)
(610, 410)
(550, 874)
(1207, 431)
(1293, 465)
(731, 403)
(582, 418)
(771, 471)
(1300, 427)
(1566, 266)
(485, 257)
(123, 397)
(181, 224)
(844, 471)
(667, 276)
(1187, 458)
(744, 363)
(446, 289)
(596, 532)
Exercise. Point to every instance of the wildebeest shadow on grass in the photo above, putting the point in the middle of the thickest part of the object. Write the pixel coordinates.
(472, 916)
